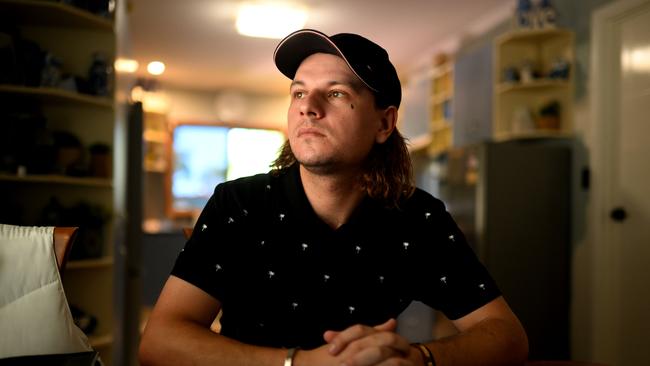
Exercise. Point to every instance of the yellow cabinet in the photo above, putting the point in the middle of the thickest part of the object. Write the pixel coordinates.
(441, 117)
(534, 77)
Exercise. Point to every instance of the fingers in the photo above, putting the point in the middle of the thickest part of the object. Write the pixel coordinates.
(389, 326)
(389, 341)
(359, 337)
(371, 356)
(330, 335)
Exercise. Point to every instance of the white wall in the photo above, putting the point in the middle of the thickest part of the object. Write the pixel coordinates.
(226, 107)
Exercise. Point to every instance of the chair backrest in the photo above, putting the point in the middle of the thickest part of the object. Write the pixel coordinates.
(63, 239)
(33, 304)
(187, 232)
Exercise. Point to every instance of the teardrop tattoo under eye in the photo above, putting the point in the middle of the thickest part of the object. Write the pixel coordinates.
(352, 106)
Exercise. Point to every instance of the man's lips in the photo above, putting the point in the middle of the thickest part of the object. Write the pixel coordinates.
(309, 131)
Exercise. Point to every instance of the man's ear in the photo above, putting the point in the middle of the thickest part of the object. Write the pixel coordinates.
(388, 124)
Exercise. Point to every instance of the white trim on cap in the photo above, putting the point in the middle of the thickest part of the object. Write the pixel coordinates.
(326, 38)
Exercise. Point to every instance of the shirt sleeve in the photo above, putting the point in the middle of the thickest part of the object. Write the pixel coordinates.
(206, 259)
(451, 278)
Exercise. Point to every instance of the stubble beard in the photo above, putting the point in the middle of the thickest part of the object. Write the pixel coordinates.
(320, 166)
(314, 161)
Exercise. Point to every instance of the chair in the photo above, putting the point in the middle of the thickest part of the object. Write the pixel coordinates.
(64, 237)
(33, 306)
(187, 232)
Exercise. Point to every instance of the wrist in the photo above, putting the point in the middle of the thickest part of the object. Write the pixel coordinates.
(290, 356)
(416, 355)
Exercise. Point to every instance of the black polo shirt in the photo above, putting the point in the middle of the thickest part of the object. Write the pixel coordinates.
(283, 276)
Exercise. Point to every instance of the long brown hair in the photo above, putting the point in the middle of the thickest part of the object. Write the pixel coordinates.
(387, 173)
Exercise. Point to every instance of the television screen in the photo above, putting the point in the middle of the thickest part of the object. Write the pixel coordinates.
(206, 155)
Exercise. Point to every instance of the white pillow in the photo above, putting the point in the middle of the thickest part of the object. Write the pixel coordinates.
(34, 314)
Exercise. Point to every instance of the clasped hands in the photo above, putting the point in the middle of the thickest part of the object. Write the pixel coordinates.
(361, 345)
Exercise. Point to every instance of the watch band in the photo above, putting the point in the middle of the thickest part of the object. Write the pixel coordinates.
(427, 356)
(288, 359)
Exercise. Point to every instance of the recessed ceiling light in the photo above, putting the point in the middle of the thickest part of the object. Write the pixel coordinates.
(156, 67)
(270, 20)
(126, 65)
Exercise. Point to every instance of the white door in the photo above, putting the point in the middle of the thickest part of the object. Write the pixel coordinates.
(621, 164)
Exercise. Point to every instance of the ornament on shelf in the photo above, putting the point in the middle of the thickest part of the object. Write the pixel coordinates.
(540, 14)
(546, 14)
(559, 69)
(549, 116)
(524, 13)
(522, 120)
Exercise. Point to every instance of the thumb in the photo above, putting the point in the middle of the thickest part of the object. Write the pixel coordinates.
(329, 335)
(390, 325)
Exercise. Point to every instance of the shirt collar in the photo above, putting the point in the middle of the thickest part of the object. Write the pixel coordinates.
(294, 194)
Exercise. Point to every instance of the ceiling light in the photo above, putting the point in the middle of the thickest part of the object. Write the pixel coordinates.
(156, 67)
(270, 20)
(137, 93)
(126, 65)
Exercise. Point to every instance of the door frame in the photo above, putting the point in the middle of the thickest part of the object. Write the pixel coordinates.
(603, 142)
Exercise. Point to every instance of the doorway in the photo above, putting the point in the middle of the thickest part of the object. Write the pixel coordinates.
(620, 210)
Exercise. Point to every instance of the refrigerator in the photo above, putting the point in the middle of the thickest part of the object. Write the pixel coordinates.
(513, 202)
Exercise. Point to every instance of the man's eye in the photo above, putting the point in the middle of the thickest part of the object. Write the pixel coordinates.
(298, 95)
(336, 94)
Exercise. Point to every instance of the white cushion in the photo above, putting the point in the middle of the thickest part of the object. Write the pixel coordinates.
(34, 314)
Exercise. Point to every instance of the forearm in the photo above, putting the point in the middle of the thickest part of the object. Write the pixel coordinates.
(489, 342)
(185, 343)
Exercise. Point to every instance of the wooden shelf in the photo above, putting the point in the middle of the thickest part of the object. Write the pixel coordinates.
(100, 341)
(58, 179)
(535, 134)
(55, 95)
(155, 166)
(537, 84)
(104, 262)
(440, 125)
(154, 136)
(442, 97)
(445, 68)
(435, 151)
(419, 143)
(533, 35)
(51, 13)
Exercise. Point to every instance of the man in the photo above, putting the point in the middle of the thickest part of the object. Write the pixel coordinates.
(313, 262)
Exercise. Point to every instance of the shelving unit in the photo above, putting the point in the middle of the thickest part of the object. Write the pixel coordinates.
(57, 180)
(55, 95)
(51, 13)
(73, 35)
(524, 63)
(156, 138)
(441, 99)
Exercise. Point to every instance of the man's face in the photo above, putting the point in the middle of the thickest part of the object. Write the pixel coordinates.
(333, 122)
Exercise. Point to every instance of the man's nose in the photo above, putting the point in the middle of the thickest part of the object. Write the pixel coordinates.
(312, 105)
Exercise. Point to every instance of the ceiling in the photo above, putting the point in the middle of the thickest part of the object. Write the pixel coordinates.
(198, 42)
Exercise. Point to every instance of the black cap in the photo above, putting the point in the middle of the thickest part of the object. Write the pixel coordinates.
(365, 58)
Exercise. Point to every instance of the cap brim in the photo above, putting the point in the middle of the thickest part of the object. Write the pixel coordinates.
(297, 46)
